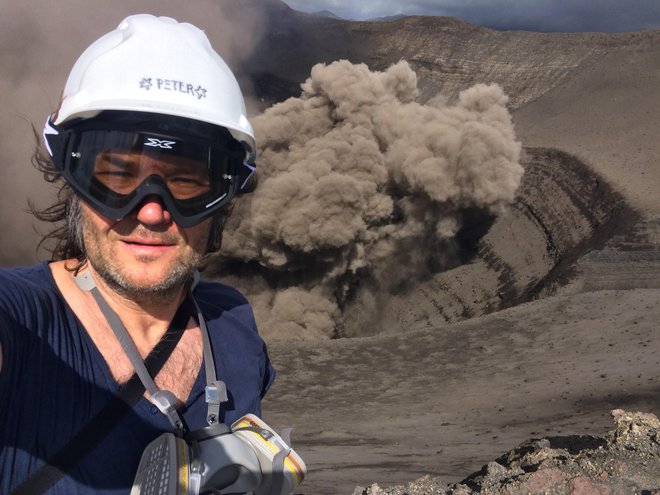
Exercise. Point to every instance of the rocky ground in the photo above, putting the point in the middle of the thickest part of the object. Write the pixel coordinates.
(625, 461)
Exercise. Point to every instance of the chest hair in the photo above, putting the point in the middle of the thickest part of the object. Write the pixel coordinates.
(179, 372)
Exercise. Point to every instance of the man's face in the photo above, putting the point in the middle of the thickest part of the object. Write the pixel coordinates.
(144, 254)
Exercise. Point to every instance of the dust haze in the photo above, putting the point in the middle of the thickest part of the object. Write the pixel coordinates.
(362, 190)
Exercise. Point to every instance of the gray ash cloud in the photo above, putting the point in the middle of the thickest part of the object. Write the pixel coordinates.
(361, 189)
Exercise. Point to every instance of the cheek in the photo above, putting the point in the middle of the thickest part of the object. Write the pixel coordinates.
(88, 227)
(94, 229)
(93, 220)
(198, 237)
(90, 235)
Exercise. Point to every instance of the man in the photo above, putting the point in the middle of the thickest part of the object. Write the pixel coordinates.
(152, 141)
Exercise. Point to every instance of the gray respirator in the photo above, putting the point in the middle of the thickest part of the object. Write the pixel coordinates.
(247, 456)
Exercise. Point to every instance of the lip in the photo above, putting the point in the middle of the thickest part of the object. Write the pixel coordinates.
(147, 246)
(147, 242)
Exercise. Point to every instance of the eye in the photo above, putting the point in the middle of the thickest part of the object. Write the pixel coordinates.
(187, 185)
(116, 171)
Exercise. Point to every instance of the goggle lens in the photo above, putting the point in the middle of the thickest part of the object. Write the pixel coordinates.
(123, 171)
(114, 170)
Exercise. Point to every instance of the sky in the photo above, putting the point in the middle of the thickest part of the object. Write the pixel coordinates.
(529, 15)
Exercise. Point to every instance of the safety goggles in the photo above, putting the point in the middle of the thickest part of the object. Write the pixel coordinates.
(115, 167)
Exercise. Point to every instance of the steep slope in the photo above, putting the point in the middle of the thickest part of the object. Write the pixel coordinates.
(607, 114)
(562, 211)
(448, 54)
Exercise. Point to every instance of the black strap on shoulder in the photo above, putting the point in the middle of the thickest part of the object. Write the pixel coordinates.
(65, 459)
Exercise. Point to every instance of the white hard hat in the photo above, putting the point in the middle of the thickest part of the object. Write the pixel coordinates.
(158, 65)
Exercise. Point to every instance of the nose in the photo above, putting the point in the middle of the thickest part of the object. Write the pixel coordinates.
(152, 211)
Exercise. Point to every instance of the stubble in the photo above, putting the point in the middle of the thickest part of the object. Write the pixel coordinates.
(123, 279)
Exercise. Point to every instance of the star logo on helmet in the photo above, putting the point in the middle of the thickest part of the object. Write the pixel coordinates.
(201, 92)
(146, 83)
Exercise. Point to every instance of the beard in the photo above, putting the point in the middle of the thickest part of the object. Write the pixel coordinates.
(168, 287)
(125, 279)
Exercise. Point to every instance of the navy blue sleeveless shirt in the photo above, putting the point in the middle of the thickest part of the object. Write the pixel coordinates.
(54, 381)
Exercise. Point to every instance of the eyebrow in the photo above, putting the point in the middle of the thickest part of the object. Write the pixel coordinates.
(120, 159)
(117, 160)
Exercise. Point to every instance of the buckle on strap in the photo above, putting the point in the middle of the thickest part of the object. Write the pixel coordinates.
(216, 393)
(166, 403)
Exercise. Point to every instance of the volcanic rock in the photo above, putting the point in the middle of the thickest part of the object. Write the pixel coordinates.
(626, 461)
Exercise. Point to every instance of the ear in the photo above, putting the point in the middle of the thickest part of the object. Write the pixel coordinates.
(218, 222)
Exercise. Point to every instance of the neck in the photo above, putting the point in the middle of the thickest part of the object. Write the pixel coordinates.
(146, 316)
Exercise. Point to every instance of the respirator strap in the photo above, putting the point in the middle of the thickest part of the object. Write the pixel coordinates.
(277, 483)
(163, 399)
(216, 390)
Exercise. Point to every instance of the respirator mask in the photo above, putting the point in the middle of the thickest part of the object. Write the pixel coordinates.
(247, 456)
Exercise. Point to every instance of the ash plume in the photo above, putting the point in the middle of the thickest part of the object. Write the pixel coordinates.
(363, 189)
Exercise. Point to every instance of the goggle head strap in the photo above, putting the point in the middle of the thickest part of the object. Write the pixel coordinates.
(247, 178)
(56, 141)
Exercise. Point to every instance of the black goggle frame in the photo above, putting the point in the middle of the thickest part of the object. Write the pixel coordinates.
(229, 173)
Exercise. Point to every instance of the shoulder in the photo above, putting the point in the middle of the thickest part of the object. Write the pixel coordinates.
(243, 360)
(24, 276)
(229, 317)
(220, 302)
(28, 299)
(219, 295)
(25, 289)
